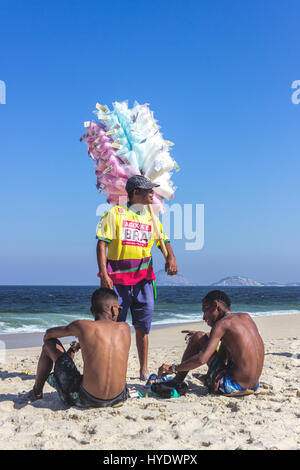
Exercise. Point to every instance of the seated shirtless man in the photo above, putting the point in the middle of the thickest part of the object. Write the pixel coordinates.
(104, 344)
(237, 365)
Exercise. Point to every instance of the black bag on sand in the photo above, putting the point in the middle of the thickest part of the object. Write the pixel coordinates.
(169, 389)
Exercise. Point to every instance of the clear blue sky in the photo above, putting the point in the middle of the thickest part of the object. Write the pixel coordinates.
(218, 76)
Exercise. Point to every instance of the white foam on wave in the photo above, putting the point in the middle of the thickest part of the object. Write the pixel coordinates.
(47, 322)
(274, 313)
(172, 318)
(188, 318)
(6, 330)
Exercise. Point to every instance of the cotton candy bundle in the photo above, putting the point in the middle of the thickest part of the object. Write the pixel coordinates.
(128, 142)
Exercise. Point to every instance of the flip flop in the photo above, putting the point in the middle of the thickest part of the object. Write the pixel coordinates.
(118, 405)
(239, 393)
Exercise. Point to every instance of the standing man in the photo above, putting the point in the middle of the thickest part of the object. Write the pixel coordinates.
(127, 232)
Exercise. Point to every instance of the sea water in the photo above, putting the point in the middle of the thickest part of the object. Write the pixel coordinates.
(28, 309)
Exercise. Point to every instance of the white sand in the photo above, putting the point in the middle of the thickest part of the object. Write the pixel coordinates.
(270, 420)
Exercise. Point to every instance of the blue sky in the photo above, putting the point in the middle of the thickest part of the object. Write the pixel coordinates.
(218, 76)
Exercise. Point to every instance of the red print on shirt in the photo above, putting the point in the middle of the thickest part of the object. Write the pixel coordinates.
(135, 233)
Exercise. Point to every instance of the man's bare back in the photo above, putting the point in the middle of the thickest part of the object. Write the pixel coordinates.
(245, 346)
(105, 348)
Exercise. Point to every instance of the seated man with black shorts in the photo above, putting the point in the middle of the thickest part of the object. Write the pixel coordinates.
(233, 350)
(104, 344)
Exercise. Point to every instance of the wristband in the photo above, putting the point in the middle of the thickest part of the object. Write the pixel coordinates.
(173, 367)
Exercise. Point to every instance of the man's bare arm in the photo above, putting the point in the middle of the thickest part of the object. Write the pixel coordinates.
(199, 359)
(101, 260)
(171, 265)
(61, 331)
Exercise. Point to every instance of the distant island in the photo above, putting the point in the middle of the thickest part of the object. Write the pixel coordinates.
(237, 281)
(247, 281)
(162, 279)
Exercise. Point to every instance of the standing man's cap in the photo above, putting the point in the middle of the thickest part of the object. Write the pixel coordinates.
(139, 181)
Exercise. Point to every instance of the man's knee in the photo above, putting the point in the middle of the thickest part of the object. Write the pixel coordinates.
(52, 344)
(141, 331)
(200, 337)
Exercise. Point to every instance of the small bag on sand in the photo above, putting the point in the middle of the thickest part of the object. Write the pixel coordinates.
(169, 390)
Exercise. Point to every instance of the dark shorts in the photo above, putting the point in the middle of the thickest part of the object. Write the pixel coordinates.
(215, 371)
(219, 380)
(67, 381)
(140, 300)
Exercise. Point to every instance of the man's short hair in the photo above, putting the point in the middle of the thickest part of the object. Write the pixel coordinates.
(130, 195)
(217, 295)
(101, 297)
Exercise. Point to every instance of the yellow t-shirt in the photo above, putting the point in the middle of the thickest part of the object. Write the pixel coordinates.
(130, 237)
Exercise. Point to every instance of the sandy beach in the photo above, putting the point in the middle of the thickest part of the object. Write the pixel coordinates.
(268, 420)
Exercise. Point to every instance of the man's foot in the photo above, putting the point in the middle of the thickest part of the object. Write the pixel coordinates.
(33, 396)
(144, 376)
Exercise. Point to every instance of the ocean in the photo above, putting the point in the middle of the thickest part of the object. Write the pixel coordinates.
(28, 309)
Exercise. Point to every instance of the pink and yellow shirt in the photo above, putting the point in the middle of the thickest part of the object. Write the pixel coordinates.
(130, 237)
